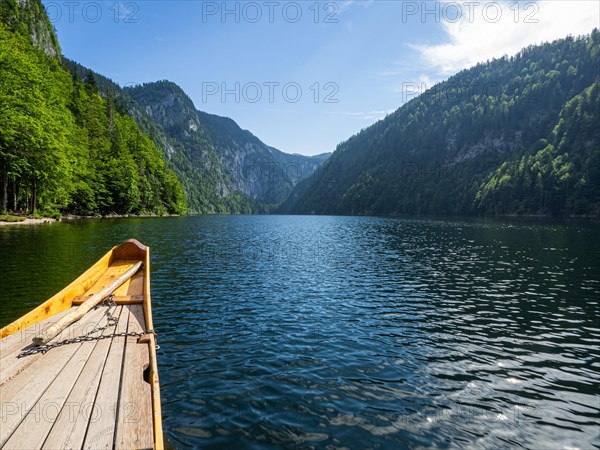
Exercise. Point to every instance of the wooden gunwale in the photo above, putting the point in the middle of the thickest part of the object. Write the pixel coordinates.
(74, 294)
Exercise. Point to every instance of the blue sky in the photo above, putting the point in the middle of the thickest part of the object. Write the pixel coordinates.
(305, 75)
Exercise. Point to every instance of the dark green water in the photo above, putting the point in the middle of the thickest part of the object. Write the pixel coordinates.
(337, 332)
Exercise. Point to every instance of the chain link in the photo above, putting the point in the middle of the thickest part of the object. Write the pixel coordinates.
(112, 321)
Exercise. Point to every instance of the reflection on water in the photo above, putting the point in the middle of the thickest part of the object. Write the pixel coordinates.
(332, 332)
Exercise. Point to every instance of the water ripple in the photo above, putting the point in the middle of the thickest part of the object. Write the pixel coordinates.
(331, 332)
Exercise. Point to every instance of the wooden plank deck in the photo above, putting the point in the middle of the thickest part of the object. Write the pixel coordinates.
(10, 347)
(81, 395)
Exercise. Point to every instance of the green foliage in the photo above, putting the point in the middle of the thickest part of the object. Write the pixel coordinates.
(205, 150)
(11, 219)
(563, 177)
(516, 135)
(65, 148)
(189, 150)
(28, 18)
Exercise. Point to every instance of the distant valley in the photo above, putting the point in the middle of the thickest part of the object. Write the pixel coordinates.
(222, 168)
(517, 135)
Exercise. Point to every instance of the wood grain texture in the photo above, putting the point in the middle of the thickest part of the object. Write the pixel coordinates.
(116, 270)
(18, 341)
(12, 366)
(62, 300)
(95, 298)
(21, 393)
(132, 249)
(108, 374)
(135, 286)
(70, 427)
(61, 407)
(153, 374)
(100, 433)
(118, 299)
(134, 421)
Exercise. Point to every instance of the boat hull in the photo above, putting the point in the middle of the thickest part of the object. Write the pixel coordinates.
(128, 361)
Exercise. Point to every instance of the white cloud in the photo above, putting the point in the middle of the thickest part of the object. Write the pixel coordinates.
(366, 115)
(480, 33)
(341, 6)
(126, 12)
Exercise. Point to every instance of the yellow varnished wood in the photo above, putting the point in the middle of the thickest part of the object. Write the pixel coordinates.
(63, 300)
(154, 381)
(100, 433)
(69, 430)
(119, 362)
(65, 401)
(118, 299)
(24, 390)
(134, 420)
(18, 341)
(94, 300)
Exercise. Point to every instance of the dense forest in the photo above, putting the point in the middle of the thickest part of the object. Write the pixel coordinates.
(229, 169)
(64, 148)
(73, 141)
(221, 167)
(516, 135)
(188, 155)
(189, 149)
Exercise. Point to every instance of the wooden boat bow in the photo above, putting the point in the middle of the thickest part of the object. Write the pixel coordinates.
(105, 392)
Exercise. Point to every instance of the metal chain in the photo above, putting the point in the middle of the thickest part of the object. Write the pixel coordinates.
(109, 302)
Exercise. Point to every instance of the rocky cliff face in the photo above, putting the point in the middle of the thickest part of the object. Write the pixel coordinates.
(258, 170)
(234, 159)
(221, 167)
(40, 28)
(187, 144)
(29, 17)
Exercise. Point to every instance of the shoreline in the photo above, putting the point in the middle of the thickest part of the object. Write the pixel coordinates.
(67, 218)
(71, 217)
(29, 221)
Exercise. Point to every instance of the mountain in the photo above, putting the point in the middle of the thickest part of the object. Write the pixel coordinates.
(232, 161)
(256, 169)
(189, 150)
(515, 135)
(222, 168)
(64, 148)
(202, 189)
(28, 17)
(74, 141)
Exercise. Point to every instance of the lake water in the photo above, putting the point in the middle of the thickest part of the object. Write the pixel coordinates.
(341, 332)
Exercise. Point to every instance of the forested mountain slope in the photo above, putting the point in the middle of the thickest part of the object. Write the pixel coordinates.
(516, 135)
(189, 149)
(190, 158)
(72, 141)
(234, 161)
(221, 167)
(63, 147)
